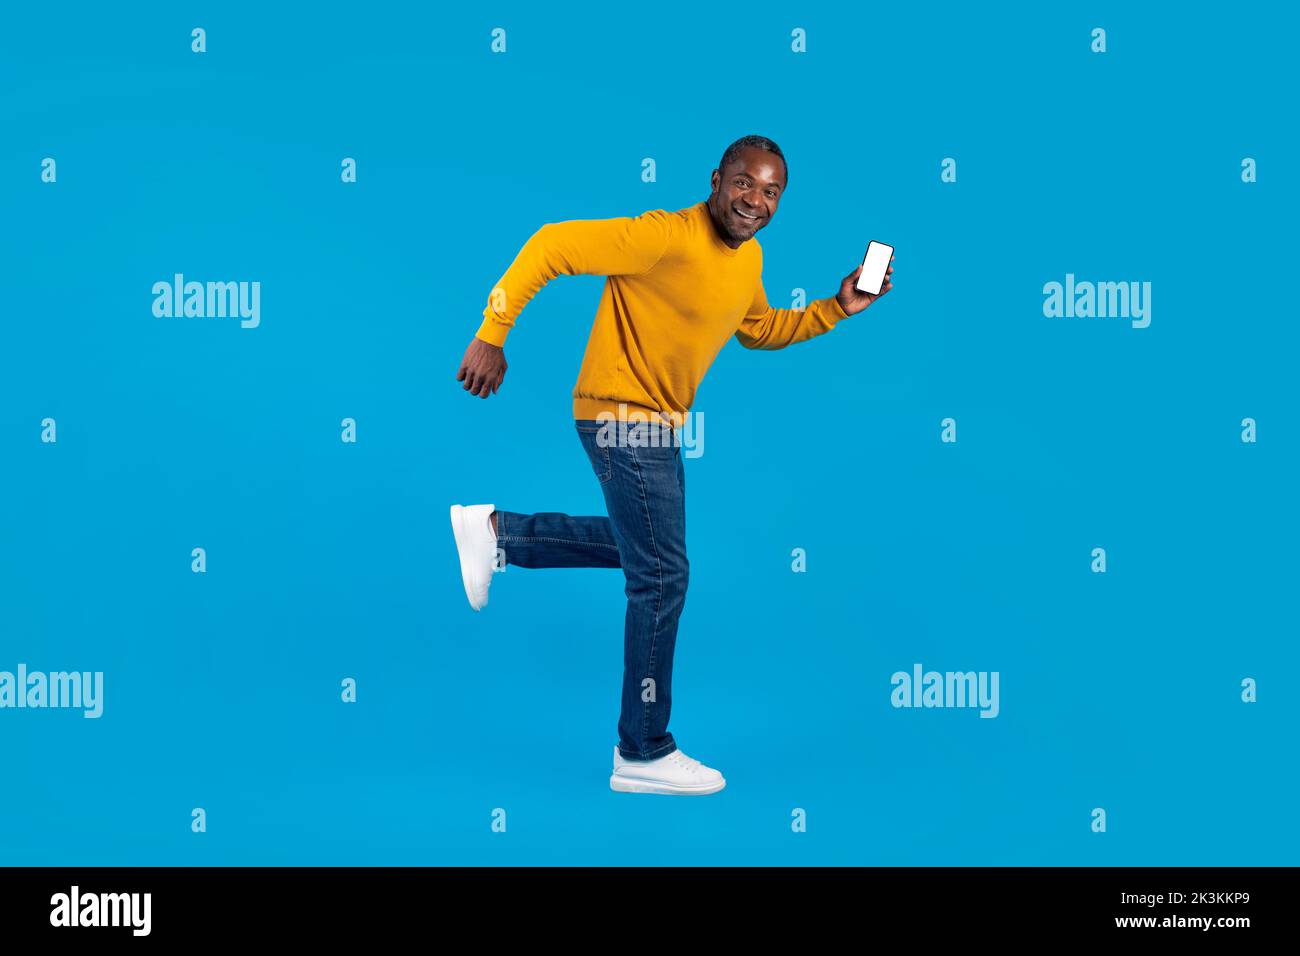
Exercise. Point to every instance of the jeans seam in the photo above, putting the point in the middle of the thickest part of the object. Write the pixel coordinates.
(590, 544)
(663, 749)
(668, 747)
(659, 573)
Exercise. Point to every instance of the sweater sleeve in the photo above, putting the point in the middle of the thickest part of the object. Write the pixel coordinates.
(603, 247)
(767, 328)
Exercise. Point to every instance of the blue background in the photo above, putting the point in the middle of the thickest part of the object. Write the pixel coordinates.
(327, 560)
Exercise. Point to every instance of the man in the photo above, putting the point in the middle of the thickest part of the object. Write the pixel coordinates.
(680, 285)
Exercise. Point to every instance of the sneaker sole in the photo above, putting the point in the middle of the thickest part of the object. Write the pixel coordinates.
(457, 524)
(632, 785)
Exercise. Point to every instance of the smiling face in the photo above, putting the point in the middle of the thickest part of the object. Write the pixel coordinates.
(746, 193)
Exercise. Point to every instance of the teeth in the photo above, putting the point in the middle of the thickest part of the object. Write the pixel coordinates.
(744, 215)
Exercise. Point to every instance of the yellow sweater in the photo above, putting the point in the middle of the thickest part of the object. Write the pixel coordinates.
(675, 293)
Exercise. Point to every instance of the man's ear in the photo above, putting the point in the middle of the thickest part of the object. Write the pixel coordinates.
(713, 184)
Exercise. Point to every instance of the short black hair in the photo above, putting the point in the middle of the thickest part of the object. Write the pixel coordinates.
(758, 142)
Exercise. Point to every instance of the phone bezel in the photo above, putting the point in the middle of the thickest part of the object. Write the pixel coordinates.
(875, 242)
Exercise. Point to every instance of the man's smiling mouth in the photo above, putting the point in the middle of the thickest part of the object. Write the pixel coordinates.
(745, 216)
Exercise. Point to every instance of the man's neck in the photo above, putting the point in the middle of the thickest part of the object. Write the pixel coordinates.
(726, 240)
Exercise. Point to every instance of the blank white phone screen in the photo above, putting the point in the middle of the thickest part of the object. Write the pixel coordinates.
(873, 268)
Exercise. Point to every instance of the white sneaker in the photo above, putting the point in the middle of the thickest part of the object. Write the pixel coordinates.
(476, 543)
(673, 773)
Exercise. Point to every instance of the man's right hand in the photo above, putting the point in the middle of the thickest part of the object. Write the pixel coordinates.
(483, 368)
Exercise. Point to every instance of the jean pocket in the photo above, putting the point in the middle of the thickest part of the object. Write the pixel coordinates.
(597, 454)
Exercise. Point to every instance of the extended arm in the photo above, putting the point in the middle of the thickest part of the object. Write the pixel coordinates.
(765, 327)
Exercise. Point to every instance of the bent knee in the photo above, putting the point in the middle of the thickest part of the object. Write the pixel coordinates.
(669, 579)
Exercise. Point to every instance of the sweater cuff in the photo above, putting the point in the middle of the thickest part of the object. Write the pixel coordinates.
(836, 310)
(492, 331)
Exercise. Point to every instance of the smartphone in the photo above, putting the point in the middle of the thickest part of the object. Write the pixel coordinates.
(874, 265)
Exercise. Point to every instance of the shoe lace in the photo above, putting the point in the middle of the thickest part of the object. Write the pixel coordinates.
(687, 763)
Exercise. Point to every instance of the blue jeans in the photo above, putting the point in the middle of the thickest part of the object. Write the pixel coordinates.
(639, 467)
